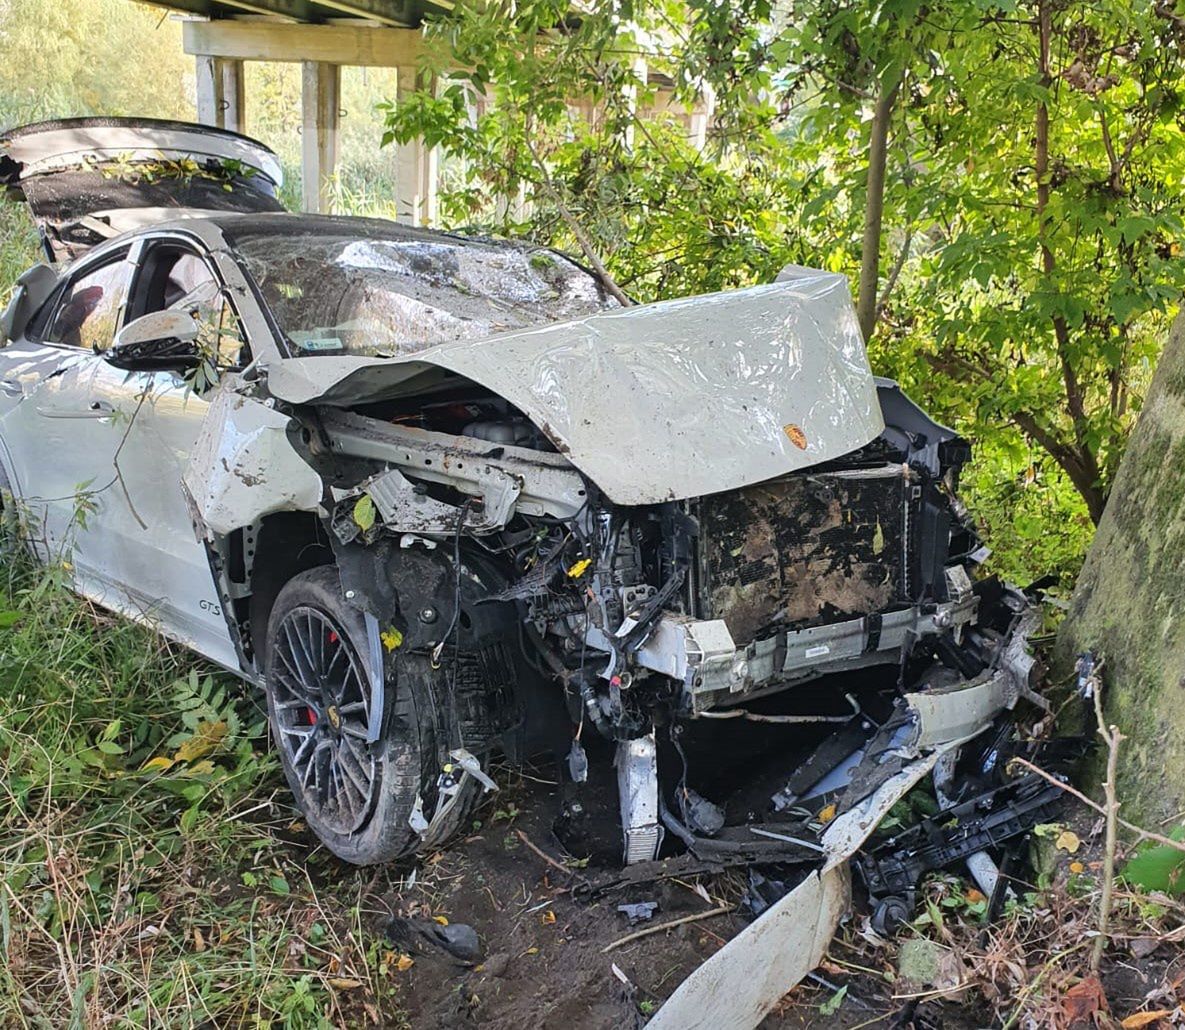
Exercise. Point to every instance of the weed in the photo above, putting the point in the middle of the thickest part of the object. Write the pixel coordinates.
(151, 872)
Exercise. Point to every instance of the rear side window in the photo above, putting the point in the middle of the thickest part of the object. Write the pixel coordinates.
(87, 312)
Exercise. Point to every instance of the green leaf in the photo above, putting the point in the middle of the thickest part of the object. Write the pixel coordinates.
(364, 513)
(1160, 868)
(189, 818)
(831, 1006)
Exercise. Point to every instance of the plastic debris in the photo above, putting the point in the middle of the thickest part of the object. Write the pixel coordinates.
(638, 912)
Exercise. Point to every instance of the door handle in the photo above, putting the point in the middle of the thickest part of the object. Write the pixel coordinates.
(95, 409)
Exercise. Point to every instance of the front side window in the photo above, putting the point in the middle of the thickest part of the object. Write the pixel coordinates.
(87, 312)
(176, 278)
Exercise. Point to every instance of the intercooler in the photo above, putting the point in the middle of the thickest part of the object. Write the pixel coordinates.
(814, 548)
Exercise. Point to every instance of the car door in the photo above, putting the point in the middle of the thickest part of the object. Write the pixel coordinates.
(97, 451)
(58, 431)
(150, 543)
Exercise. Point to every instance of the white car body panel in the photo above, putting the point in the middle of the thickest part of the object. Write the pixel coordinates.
(136, 551)
(243, 467)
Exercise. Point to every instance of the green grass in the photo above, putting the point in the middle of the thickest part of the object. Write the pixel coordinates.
(18, 245)
(152, 872)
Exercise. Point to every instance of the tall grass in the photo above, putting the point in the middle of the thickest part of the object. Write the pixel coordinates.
(152, 872)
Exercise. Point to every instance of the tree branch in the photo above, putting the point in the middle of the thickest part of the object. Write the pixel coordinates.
(874, 203)
(894, 273)
(576, 229)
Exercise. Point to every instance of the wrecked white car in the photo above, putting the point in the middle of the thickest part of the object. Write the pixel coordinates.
(442, 497)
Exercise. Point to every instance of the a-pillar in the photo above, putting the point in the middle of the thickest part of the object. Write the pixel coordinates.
(320, 112)
(415, 164)
(220, 96)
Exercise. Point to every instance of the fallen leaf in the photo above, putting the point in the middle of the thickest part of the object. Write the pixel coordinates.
(547, 918)
(159, 762)
(827, 813)
(1082, 1001)
(343, 984)
(796, 436)
(404, 963)
(442, 920)
(1077, 867)
(1139, 1019)
(974, 897)
(203, 768)
(832, 1004)
(199, 942)
(1068, 841)
(1142, 947)
(205, 739)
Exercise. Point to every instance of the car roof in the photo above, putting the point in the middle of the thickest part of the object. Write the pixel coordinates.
(363, 227)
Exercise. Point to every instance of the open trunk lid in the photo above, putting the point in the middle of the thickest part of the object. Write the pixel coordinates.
(86, 179)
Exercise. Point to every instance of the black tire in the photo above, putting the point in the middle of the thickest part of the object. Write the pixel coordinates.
(404, 760)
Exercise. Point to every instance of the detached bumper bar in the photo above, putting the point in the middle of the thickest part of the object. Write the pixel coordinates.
(741, 983)
(702, 655)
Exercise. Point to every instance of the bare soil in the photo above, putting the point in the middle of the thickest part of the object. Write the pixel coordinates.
(544, 964)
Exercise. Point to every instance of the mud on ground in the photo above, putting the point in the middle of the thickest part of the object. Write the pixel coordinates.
(543, 961)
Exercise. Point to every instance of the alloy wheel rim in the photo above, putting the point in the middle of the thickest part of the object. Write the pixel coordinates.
(322, 708)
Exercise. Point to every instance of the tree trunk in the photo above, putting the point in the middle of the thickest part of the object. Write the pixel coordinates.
(874, 204)
(1129, 603)
(1083, 468)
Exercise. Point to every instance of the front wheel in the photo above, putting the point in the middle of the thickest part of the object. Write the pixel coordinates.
(359, 796)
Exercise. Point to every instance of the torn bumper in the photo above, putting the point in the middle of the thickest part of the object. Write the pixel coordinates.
(739, 985)
(702, 655)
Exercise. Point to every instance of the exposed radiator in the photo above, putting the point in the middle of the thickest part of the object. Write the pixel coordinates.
(808, 549)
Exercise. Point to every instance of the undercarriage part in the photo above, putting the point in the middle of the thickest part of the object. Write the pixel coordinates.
(482, 686)
(892, 869)
(703, 657)
(637, 784)
(743, 713)
(700, 814)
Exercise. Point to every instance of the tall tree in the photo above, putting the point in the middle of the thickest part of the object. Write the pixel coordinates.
(1053, 142)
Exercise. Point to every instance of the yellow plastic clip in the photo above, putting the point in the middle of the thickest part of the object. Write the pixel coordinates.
(579, 568)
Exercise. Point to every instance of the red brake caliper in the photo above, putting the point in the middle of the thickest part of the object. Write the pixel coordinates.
(333, 638)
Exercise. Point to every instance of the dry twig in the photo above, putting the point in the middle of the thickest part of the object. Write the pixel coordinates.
(1139, 831)
(1112, 737)
(646, 931)
(544, 855)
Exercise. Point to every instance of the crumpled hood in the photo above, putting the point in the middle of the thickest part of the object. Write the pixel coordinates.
(660, 402)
